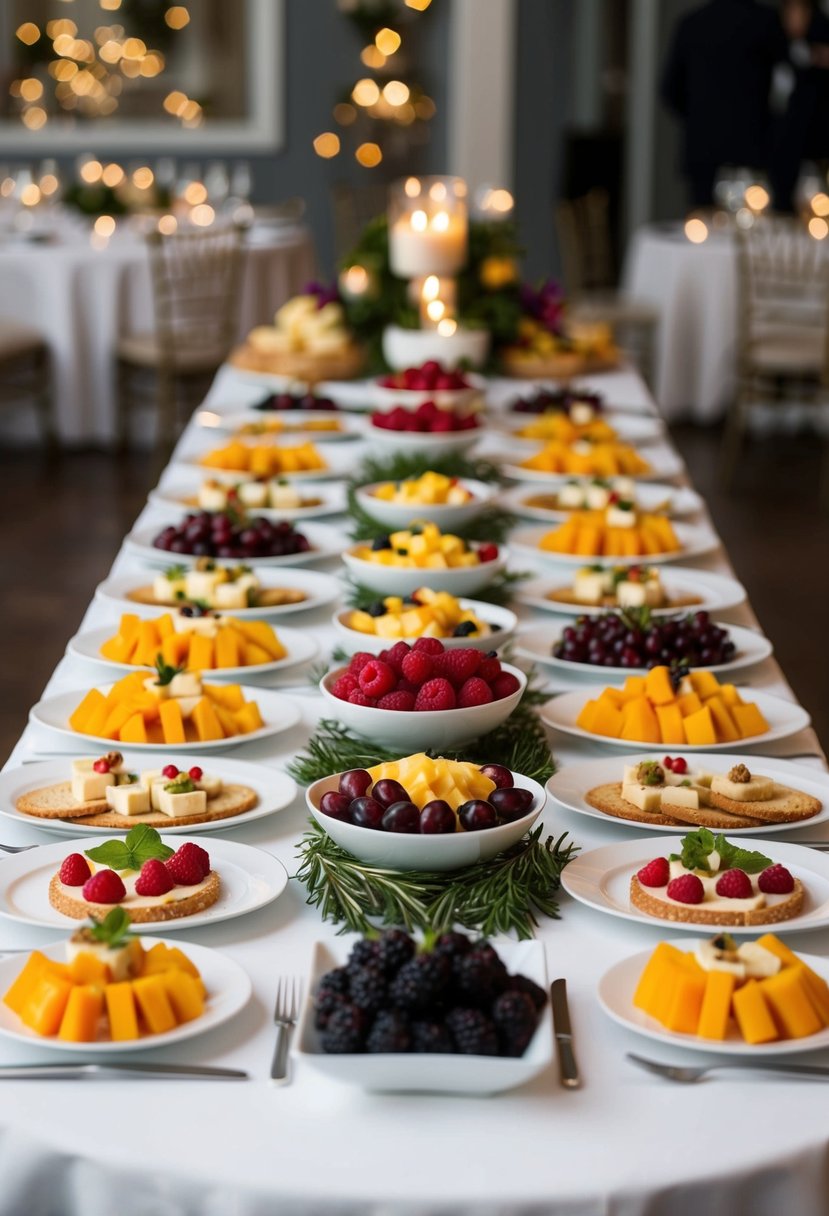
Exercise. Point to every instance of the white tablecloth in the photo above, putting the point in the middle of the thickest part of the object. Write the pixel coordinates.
(83, 298)
(625, 1143)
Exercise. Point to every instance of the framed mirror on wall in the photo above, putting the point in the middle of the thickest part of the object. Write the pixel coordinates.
(114, 74)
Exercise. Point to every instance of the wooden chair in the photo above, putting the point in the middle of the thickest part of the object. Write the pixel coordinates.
(589, 273)
(782, 330)
(195, 279)
(25, 374)
(353, 207)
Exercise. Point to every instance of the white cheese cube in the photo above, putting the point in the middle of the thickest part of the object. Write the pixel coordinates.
(185, 684)
(253, 493)
(630, 595)
(597, 497)
(91, 787)
(758, 789)
(156, 790)
(759, 962)
(212, 496)
(620, 517)
(572, 495)
(625, 487)
(201, 584)
(582, 413)
(167, 590)
(149, 776)
(162, 691)
(286, 496)
(589, 586)
(128, 799)
(646, 797)
(207, 626)
(681, 796)
(178, 805)
(119, 959)
(210, 783)
(231, 595)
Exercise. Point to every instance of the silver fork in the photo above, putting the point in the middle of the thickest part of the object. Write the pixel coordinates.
(688, 1074)
(285, 1014)
(17, 848)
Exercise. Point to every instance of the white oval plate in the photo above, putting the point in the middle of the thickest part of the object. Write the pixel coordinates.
(601, 878)
(228, 990)
(301, 648)
(180, 495)
(447, 516)
(321, 589)
(350, 426)
(279, 714)
(536, 645)
(572, 782)
(250, 878)
(716, 591)
(630, 428)
(618, 984)
(275, 791)
(325, 541)
(663, 460)
(352, 640)
(677, 500)
(428, 1073)
(784, 718)
(694, 540)
(340, 460)
(402, 580)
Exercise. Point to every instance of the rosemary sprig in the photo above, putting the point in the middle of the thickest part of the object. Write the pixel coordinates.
(505, 894)
(500, 591)
(401, 465)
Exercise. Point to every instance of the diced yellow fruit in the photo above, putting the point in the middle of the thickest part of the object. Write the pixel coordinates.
(207, 724)
(639, 722)
(172, 724)
(716, 1005)
(723, 722)
(752, 1013)
(699, 728)
(787, 995)
(153, 1003)
(121, 1012)
(87, 968)
(658, 687)
(133, 730)
(79, 1023)
(46, 1003)
(749, 720)
(705, 684)
(670, 724)
(228, 695)
(185, 995)
(17, 995)
(92, 702)
(248, 718)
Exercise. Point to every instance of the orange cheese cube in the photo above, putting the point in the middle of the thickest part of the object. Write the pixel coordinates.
(92, 703)
(658, 686)
(670, 723)
(640, 723)
(787, 996)
(248, 718)
(172, 724)
(134, 730)
(716, 1005)
(699, 728)
(121, 1012)
(749, 720)
(79, 1023)
(205, 721)
(723, 722)
(753, 1015)
(46, 1003)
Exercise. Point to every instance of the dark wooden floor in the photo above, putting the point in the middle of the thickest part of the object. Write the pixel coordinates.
(61, 526)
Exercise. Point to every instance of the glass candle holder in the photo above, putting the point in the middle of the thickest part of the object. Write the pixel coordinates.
(428, 226)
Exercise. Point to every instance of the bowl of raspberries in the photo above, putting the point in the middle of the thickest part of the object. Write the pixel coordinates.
(419, 695)
(426, 429)
(454, 1016)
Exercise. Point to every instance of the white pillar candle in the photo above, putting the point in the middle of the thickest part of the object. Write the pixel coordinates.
(422, 244)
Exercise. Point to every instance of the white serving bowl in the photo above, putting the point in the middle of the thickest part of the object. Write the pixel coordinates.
(416, 730)
(404, 348)
(470, 397)
(422, 443)
(404, 851)
(403, 580)
(352, 640)
(447, 516)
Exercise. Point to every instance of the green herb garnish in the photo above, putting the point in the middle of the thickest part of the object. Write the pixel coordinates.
(141, 843)
(174, 573)
(113, 930)
(183, 784)
(697, 847)
(166, 673)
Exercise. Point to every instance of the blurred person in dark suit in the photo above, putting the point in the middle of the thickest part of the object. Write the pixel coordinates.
(802, 130)
(717, 80)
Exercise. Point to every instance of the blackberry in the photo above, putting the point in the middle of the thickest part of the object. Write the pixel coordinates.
(368, 987)
(345, 1031)
(378, 608)
(453, 944)
(380, 542)
(431, 1037)
(394, 949)
(421, 982)
(327, 1001)
(520, 983)
(464, 629)
(479, 976)
(362, 952)
(336, 980)
(390, 1032)
(472, 1031)
(515, 1020)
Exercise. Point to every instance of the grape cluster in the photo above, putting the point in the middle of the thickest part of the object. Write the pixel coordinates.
(456, 998)
(222, 534)
(388, 807)
(619, 639)
(554, 401)
(296, 401)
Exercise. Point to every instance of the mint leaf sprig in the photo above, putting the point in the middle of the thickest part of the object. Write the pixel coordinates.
(165, 672)
(142, 843)
(113, 930)
(698, 845)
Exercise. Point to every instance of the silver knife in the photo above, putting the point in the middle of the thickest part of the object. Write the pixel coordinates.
(173, 1072)
(568, 1069)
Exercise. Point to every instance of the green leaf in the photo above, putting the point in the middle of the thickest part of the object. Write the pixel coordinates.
(113, 930)
(735, 858)
(165, 672)
(696, 847)
(142, 843)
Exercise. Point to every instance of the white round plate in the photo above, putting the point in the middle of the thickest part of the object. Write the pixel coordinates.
(340, 461)
(663, 460)
(279, 714)
(784, 718)
(694, 540)
(572, 782)
(180, 495)
(403, 580)
(650, 496)
(352, 640)
(325, 542)
(536, 645)
(228, 990)
(424, 443)
(301, 648)
(601, 878)
(350, 427)
(275, 791)
(409, 1071)
(629, 428)
(447, 516)
(321, 590)
(716, 592)
(618, 984)
(250, 878)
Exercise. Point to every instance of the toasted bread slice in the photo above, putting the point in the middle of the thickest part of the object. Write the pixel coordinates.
(787, 805)
(608, 798)
(697, 914)
(80, 909)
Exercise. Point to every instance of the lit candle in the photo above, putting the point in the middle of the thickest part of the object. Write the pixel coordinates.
(420, 244)
(437, 301)
(354, 282)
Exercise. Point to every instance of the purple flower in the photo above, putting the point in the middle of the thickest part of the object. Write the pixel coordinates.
(544, 303)
(325, 294)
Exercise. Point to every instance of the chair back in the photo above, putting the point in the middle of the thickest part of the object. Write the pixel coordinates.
(353, 207)
(196, 277)
(783, 286)
(585, 243)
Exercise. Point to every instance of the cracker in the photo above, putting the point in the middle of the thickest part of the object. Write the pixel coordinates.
(786, 806)
(57, 802)
(233, 800)
(608, 798)
(698, 914)
(80, 909)
(709, 817)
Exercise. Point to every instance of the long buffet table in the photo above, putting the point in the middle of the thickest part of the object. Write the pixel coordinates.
(624, 1143)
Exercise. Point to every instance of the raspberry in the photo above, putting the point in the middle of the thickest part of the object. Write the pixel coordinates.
(474, 692)
(668, 764)
(404, 685)
(170, 772)
(189, 865)
(359, 660)
(428, 645)
(776, 880)
(734, 884)
(154, 879)
(376, 679)
(344, 686)
(195, 773)
(418, 666)
(487, 553)
(400, 700)
(435, 694)
(75, 870)
(396, 655)
(489, 668)
(504, 685)
(458, 665)
(105, 887)
(359, 698)
(687, 889)
(656, 873)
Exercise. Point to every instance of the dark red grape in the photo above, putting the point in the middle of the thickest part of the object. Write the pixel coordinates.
(355, 782)
(476, 815)
(366, 813)
(511, 804)
(336, 805)
(437, 818)
(401, 817)
(388, 791)
(499, 774)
